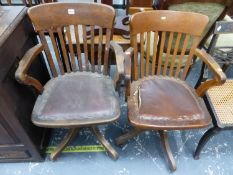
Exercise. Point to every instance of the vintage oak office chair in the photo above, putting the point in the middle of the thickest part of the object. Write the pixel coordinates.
(220, 98)
(80, 92)
(158, 98)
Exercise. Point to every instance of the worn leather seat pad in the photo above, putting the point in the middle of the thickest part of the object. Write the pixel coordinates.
(168, 103)
(75, 99)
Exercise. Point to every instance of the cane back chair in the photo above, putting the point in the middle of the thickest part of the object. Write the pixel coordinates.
(158, 97)
(220, 98)
(80, 92)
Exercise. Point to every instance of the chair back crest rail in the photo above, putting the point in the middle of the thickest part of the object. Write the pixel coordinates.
(65, 25)
(170, 27)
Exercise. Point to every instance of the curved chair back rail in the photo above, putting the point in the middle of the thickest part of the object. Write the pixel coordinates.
(163, 25)
(67, 24)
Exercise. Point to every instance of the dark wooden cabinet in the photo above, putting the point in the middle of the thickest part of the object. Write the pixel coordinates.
(20, 140)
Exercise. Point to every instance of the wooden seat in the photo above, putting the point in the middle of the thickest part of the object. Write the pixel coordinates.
(158, 97)
(80, 92)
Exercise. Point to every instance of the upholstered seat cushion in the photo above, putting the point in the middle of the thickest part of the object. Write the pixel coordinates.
(76, 99)
(166, 103)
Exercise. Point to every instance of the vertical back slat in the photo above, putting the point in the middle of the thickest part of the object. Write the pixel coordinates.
(181, 57)
(51, 34)
(65, 55)
(174, 54)
(85, 46)
(155, 46)
(142, 65)
(135, 59)
(100, 48)
(168, 53)
(48, 54)
(162, 42)
(92, 49)
(148, 52)
(190, 57)
(106, 50)
(76, 32)
(71, 49)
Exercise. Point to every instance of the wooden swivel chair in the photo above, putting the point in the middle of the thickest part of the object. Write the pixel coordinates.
(80, 92)
(158, 97)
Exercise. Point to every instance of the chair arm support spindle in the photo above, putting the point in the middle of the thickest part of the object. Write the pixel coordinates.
(119, 54)
(127, 66)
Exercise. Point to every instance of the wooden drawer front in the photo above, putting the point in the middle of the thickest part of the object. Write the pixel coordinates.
(7, 134)
(14, 155)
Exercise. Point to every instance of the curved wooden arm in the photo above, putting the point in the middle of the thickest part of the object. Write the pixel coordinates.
(21, 73)
(119, 54)
(219, 76)
(127, 63)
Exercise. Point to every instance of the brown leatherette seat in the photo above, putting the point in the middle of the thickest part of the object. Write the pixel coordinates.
(80, 98)
(176, 108)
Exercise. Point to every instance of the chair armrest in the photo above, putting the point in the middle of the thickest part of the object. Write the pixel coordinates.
(119, 54)
(127, 66)
(219, 76)
(21, 73)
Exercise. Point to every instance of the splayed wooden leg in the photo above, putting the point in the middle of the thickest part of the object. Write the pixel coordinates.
(167, 149)
(129, 135)
(111, 151)
(69, 136)
(204, 139)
